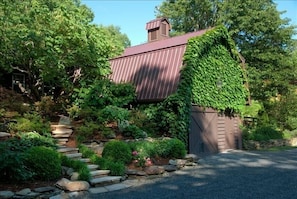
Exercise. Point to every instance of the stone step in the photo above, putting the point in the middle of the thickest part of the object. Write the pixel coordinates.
(62, 139)
(105, 180)
(61, 135)
(67, 150)
(4, 135)
(62, 131)
(92, 167)
(86, 160)
(74, 155)
(61, 143)
(60, 126)
(98, 173)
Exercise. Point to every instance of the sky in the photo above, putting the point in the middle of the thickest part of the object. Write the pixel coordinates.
(132, 15)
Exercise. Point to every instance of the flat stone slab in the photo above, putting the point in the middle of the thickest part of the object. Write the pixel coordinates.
(107, 179)
(85, 160)
(99, 172)
(66, 150)
(61, 135)
(4, 135)
(74, 155)
(62, 131)
(115, 187)
(96, 190)
(60, 126)
(93, 166)
(6, 194)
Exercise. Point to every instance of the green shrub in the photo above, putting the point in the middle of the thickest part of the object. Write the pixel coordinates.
(46, 107)
(117, 151)
(133, 131)
(175, 148)
(113, 114)
(78, 166)
(266, 133)
(12, 158)
(86, 131)
(167, 148)
(12, 167)
(116, 168)
(31, 122)
(43, 162)
(290, 134)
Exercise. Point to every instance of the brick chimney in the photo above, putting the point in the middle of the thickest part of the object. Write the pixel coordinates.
(157, 29)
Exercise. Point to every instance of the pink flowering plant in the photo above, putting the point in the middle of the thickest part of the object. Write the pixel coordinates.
(140, 160)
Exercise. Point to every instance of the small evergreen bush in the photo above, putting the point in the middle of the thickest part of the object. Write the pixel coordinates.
(116, 168)
(117, 151)
(133, 131)
(43, 162)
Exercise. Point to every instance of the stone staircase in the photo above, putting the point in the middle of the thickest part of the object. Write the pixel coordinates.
(99, 178)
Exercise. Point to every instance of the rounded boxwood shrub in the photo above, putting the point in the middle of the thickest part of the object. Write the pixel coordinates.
(117, 151)
(44, 162)
(170, 148)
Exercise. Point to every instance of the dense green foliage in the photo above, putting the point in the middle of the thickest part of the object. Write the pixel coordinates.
(55, 44)
(262, 133)
(116, 168)
(43, 162)
(117, 151)
(78, 166)
(13, 153)
(209, 60)
(102, 93)
(217, 78)
(165, 148)
(262, 37)
(30, 122)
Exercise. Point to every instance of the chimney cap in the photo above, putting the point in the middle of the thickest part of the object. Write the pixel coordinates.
(156, 23)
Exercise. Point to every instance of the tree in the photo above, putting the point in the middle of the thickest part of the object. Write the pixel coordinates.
(261, 36)
(189, 15)
(54, 43)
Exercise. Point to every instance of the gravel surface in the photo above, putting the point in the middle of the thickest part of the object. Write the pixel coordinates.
(236, 174)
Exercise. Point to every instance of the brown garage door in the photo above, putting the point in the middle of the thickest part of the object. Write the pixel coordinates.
(211, 132)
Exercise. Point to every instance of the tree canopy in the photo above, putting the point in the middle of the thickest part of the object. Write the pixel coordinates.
(54, 43)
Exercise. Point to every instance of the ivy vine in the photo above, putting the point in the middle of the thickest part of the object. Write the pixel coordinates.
(211, 77)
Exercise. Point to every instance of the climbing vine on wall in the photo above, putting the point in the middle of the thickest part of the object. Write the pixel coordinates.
(211, 77)
(217, 77)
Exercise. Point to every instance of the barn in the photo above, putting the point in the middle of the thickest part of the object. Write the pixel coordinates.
(154, 68)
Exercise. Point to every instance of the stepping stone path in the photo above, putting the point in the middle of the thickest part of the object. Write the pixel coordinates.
(99, 178)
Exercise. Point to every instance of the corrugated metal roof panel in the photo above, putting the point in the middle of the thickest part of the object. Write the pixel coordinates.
(166, 43)
(152, 67)
(155, 74)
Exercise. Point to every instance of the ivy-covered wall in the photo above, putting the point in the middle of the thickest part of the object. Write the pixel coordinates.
(211, 77)
(217, 77)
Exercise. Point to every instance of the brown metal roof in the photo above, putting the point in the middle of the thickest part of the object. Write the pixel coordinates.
(152, 67)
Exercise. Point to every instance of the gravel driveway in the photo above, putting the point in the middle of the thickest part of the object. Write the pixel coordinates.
(236, 174)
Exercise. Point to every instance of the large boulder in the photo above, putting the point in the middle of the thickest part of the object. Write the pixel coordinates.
(68, 185)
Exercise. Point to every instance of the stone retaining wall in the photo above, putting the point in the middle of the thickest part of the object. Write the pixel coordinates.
(253, 145)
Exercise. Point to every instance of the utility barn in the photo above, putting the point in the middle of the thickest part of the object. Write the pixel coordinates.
(203, 62)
